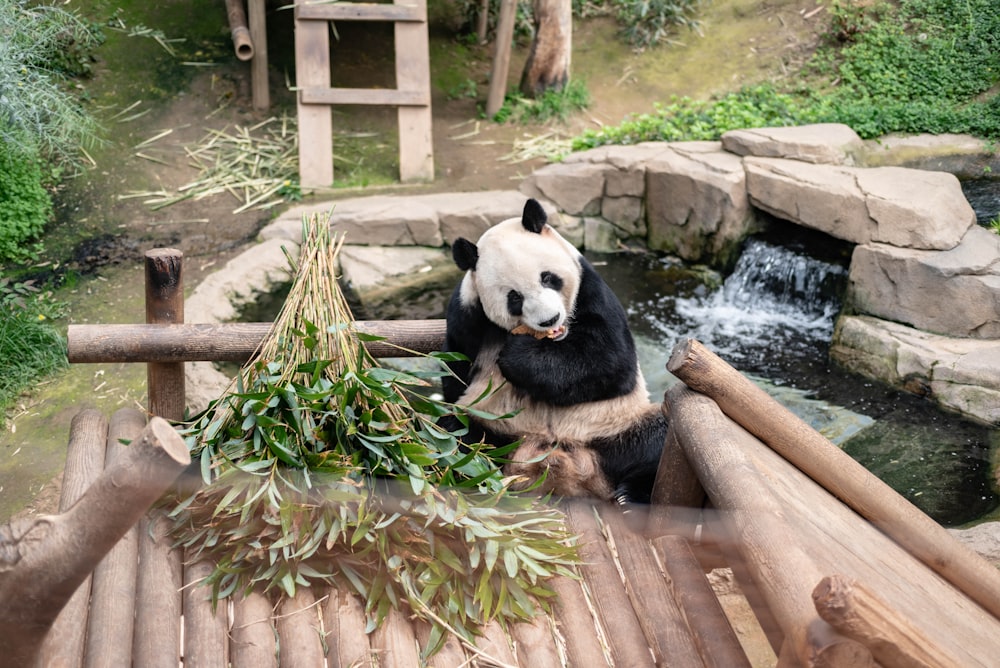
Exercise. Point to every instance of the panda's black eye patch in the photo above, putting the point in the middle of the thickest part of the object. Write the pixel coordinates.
(515, 301)
(550, 280)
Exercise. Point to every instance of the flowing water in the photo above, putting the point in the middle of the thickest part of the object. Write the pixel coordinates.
(772, 319)
(984, 196)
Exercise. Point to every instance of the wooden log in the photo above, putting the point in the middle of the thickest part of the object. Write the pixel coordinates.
(252, 643)
(677, 495)
(451, 653)
(535, 643)
(494, 647)
(242, 43)
(578, 627)
(43, 560)
(299, 636)
(713, 635)
(112, 597)
(660, 617)
(395, 641)
(832, 468)
(206, 632)
(259, 81)
(157, 638)
(229, 342)
(716, 448)
(614, 610)
(346, 638)
(88, 437)
(501, 57)
(856, 612)
(165, 304)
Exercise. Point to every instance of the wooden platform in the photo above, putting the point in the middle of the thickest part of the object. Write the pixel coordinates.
(143, 605)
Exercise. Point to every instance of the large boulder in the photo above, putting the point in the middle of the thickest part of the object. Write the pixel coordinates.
(905, 207)
(957, 373)
(955, 292)
(827, 143)
(696, 202)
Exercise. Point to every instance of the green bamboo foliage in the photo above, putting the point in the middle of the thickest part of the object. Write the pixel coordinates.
(322, 466)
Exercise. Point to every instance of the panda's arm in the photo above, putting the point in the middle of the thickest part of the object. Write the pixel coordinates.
(596, 361)
(465, 331)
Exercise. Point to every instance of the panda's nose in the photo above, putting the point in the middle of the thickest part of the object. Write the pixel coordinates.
(551, 321)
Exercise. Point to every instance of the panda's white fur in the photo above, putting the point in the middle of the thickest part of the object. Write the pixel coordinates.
(572, 384)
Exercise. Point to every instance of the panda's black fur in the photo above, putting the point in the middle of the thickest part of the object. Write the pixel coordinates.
(583, 413)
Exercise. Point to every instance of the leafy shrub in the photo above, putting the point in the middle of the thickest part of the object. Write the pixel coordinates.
(25, 206)
(646, 23)
(30, 347)
(550, 105)
(685, 119)
(40, 46)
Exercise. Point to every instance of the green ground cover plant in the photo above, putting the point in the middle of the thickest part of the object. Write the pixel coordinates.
(30, 347)
(912, 66)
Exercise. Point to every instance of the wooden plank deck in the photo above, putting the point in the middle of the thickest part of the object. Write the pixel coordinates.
(146, 607)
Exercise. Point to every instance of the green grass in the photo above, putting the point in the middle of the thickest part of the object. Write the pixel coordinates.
(551, 105)
(912, 67)
(31, 348)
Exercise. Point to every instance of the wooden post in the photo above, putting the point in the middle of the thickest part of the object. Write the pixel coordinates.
(501, 57)
(836, 471)
(259, 81)
(43, 560)
(165, 304)
(416, 147)
(312, 69)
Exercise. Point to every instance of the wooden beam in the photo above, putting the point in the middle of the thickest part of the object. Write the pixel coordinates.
(413, 73)
(855, 611)
(229, 342)
(388, 97)
(361, 11)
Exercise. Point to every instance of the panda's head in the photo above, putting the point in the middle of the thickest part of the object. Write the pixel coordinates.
(523, 273)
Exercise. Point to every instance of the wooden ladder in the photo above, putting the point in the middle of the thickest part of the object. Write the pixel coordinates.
(412, 94)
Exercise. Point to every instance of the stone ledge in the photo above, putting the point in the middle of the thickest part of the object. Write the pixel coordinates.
(959, 374)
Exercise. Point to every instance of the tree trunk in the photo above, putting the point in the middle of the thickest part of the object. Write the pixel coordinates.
(547, 67)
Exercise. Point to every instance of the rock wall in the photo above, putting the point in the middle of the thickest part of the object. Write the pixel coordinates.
(923, 307)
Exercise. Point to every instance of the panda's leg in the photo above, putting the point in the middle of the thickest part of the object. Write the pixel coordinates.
(631, 459)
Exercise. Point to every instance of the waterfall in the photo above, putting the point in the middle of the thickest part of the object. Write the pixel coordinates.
(774, 297)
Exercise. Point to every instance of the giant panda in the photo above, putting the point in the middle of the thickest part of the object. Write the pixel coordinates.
(547, 340)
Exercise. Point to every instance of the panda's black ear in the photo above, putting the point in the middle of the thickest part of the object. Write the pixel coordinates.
(533, 217)
(465, 253)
